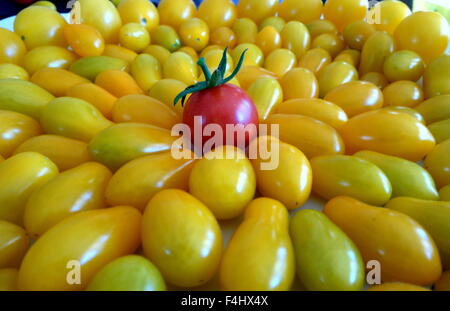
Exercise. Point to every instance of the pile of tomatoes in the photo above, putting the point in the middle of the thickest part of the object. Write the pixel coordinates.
(92, 198)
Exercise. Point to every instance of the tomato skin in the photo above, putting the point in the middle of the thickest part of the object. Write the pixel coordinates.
(375, 51)
(257, 10)
(194, 33)
(435, 109)
(303, 11)
(14, 243)
(295, 37)
(134, 36)
(403, 65)
(175, 12)
(280, 61)
(391, 13)
(12, 48)
(299, 83)
(84, 39)
(376, 78)
(402, 93)
(334, 75)
(222, 105)
(343, 12)
(331, 43)
(139, 11)
(357, 33)
(12, 71)
(437, 163)
(217, 13)
(315, 60)
(436, 80)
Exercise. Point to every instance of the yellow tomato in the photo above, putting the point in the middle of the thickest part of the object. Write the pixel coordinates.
(397, 286)
(102, 15)
(12, 71)
(426, 33)
(321, 26)
(440, 130)
(410, 257)
(90, 67)
(166, 90)
(285, 176)
(14, 244)
(403, 65)
(12, 48)
(217, 13)
(274, 21)
(389, 132)
(263, 234)
(175, 12)
(375, 51)
(356, 97)
(253, 57)
(46, 4)
(95, 95)
(48, 57)
(315, 108)
(249, 74)
(8, 279)
(134, 36)
(311, 136)
(224, 37)
(330, 43)
(295, 37)
(128, 273)
(334, 75)
(257, 10)
(38, 26)
(302, 11)
(389, 14)
(403, 93)
(436, 80)
(85, 40)
(299, 83)
(280, 61)
(144, 109)
(139, 11)
(166, 37)
(194, 32)
(357, 33)
(350, 56)
(268, 39)
(410, 111)
(189, 51)
(443, 284)
(158, 52)
(56, 80)
(75, 190)
(435, 109)
(181, 67)
(73, 118)
(117, 82)
(15, 128)
(20, 175)
(343, 12)
(65, 152)
(182, 238)
(146, 70)
(245, 30)
(224, 181)
(376, 78)
(267, 94)
(315, 60)
(90, 238)
(437, 163)
(117, 51)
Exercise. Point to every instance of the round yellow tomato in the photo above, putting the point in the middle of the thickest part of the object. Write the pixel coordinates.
(315, 60)
(253, 57)
(331, 43)
(257, 10)
(403, 93)
(139, 11)
(134, 36)
(12, 48)
(85, 40)
(426, 33)
(194, 33)
(389, 14)
(303, 11)
(280, 61)
(224, 36)
(245, 30)
(13, 244)
(335, 74)
(403, 65)
(357, 33)
(299, 83)
(295, 37)
(343, 12)
(217, 13)
(166, 37)
(436, 80)
(175, 12)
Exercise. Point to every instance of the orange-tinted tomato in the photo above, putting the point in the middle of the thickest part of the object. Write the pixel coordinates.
(403, 93)
(343, 12)
(85, 40)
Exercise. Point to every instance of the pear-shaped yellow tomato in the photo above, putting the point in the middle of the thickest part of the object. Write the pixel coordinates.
(166, 37)
(315, 108)
(313, 235)
(259, 255)
(128, 273)
(23, 97)
(280, 61)
(39, 26)
(117, 82)
(182, 238)
(48, 56)
(295, 37)
(175, 12)
(15, 128)
(351, 176)
(435, 109)
(389, 132)
(13, 244)
(95, 95)
(299, 83)
(311, 136)
(124, 142)
(65, 152)
(375, 51)
(217, 13)
(181, 67)
(388, 14)
(73, 118)
(134, 36)
(343, 12)
(437, 163)
(357, 33)
(440, 130)
(12, 48)
(144, 109)
(20, 175)
(12, 71)
(331, 43)
(56, 80)
(356, 97)
(404, 250)
(436, 80)
(434, 216)
(102, 15)
(376, 78)
(268, 39)
(224, 181)
(267, 94)
(85, 40)
(120, 52)
(139, 11)
(224, 36)
(194, 33)
(78, 189)
(335, 74)
(396, 286)
(254, 56)
(90, 67)
(282, 171)
(165, 90)
(274, 21)
(403, 93)
(426, 33)
(403, 65)
(158, 52)
(250, 74)
(443, 284)
(245, 30)
(321, 26)
(303, 11)
(81, 244)
(8, 279)
(146, 70)
(257, 10)
(137, 181)
(350, 56)
(315, 60)
(407, 178)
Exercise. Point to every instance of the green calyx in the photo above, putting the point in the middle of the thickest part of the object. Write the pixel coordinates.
(211, 80)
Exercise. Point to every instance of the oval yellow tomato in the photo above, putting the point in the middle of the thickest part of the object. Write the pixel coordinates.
(257, 10)
(12, 48)
(280, 61)
(182, 238)
(120, 52)
(437, 163)
(321, 26)
(403, 93)
(134, 36)
(389, 14)
(95, 95)
(267, 94)
(274, 21)
(158, 52)
(295, 37)
(302, 11)
(315, 60)
(165, 90)
(331, 43)
(343, 12)
(357, 33)
(166, 37)
(268, 39)
(139, 11)
(245, 30)
(90, 67)
(119, 83)
(403, 65)
(85, 40)
(436, 80)
(14, 244)
(299, 83)
(334, 75)
(375, 51)
(440, 130)
(12, 71)
(435, 109)
(217, 13)
(410, 111)
(48, 57)
(146, 70)
(56, 80)
(181, 67)
(350, 56)
(376, 78)
(253, 57)
(175, 12)
(194, 32)
(249, 74)
(224, 37)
